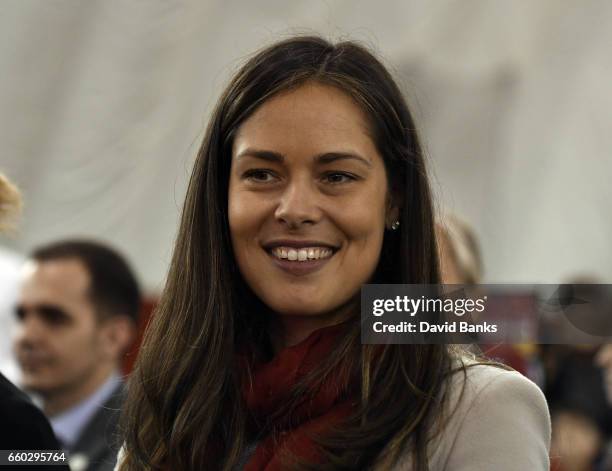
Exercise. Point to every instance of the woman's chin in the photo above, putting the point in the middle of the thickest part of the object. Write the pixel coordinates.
(300, 310)
(312, 309)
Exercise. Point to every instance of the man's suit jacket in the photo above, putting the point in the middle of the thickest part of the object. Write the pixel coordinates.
(24, 426)
(97, 445)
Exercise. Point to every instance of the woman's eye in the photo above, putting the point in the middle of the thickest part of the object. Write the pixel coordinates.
(259, 176)
(338, 177)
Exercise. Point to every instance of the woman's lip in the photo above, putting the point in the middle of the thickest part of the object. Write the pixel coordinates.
(299, 268)
(297, 244)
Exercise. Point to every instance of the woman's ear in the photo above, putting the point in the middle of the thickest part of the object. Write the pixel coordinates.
(392, 212)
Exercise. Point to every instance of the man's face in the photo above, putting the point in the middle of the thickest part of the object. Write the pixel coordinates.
(59, 342)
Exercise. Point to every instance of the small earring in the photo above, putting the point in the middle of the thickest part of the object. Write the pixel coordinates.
(395, 226)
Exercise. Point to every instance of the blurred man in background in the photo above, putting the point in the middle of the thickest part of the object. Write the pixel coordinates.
(24, 427)
(77, 315)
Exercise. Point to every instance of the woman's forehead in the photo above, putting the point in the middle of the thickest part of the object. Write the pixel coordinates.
(318, 117)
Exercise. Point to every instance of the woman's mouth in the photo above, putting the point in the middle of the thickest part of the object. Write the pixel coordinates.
(302, 254)
(300, 261)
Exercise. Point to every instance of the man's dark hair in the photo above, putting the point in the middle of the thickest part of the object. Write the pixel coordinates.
(113, 287)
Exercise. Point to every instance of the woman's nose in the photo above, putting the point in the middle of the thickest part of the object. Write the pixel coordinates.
(298, 205)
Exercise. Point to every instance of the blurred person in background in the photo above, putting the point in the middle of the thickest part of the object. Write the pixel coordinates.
(461, 263)
(10, 266)
(580, 412)
(604, 361)
(22, 424)
(10, 203)
(77, 314)
(580, 409)
(459, 251)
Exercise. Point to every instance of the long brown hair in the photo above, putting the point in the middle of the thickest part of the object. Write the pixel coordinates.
(184, 395)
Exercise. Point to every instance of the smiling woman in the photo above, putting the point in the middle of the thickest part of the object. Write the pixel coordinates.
(311, 182)
(308, 204)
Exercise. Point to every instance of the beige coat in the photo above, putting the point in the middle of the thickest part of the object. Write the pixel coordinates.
(501, 423)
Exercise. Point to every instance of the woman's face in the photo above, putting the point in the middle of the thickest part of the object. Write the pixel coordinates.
(308, 201)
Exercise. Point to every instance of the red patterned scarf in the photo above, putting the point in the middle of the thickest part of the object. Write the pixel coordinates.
(272, 383)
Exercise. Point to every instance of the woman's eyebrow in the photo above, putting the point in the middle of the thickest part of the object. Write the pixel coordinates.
(330, 157)
(325, 158)
(267, 155)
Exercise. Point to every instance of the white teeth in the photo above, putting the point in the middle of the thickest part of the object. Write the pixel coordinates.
(303, 254)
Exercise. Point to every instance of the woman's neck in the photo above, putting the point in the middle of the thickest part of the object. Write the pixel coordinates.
(289, 330)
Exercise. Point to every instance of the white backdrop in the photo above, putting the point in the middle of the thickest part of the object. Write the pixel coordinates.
(103, 104)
